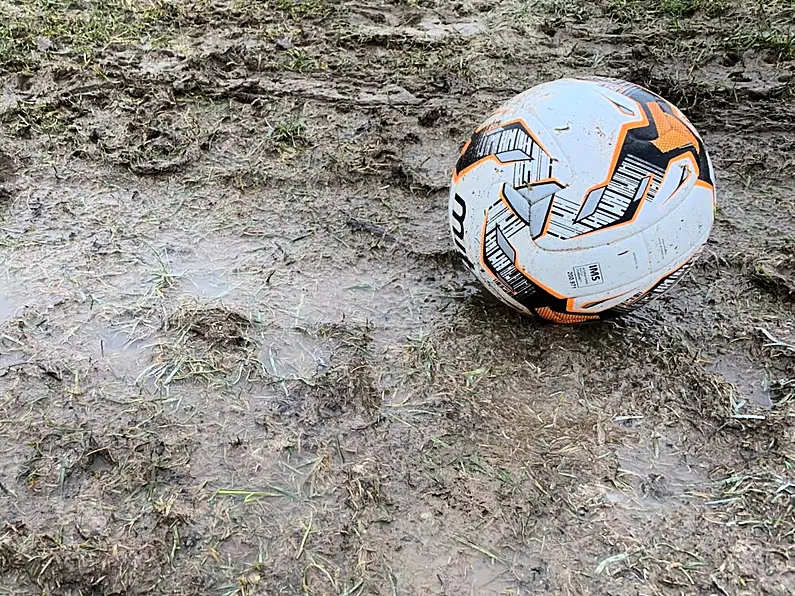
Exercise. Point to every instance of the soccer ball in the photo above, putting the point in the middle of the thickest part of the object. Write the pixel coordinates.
(582, 199)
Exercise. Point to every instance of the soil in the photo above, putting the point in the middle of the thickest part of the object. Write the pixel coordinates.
(238, 354)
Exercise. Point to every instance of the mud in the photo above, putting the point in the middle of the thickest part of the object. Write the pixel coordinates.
(238, 355)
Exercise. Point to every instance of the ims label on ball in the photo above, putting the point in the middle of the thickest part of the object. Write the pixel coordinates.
(586, 275)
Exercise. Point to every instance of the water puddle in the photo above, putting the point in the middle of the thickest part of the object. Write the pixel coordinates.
(385, 24)
(115, 341)
(7, 308)
(275, 279)
(11, 353)
(741, 375)
(125, 353)
(333, 297)
(657, 471)
(205, 285)
(293, 355)
(204, 275)
(462, 29)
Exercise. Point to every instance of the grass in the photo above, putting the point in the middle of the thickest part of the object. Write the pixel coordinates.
(778, 38)
(688, 8)
(629, 11)
(30, 118)
(758, 498)
(524, 18)
(720, 23)
(421, 354)
(162, 275)
(783, 391)
(42, 31)
(297, 9)
(250, 496)
(80, 29)
(289, 133)
(211, 345)
(299, 60)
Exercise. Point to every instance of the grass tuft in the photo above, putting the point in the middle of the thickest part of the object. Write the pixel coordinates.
(290, 133)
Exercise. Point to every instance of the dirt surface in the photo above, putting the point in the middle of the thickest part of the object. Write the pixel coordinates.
(238, 355)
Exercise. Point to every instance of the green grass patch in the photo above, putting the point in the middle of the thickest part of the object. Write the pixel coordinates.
(778, 40)
(298, 9)
(688, 8)
(291, 132)
(730, 24)
(27, 118)
(80, 29)
(639, 12)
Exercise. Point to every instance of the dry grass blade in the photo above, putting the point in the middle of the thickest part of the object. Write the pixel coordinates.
(486, 552)
(249, 496)
(776, 343)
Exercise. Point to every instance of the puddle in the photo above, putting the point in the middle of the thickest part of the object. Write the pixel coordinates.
(463, 29)
(154, 64)
(292, 355)
(428, 29)
(124, 353)
(657, 471)
(291, 288)
(392, 303)
(205, 285)
(115, 341)
(205, 275)
(6, 309)
(741, 375)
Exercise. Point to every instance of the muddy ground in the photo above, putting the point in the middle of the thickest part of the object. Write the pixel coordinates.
(238, 355)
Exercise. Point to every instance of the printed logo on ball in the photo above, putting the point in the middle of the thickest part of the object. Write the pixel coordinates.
(586, 275)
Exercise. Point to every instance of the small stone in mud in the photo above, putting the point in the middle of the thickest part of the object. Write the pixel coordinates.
(285, 43)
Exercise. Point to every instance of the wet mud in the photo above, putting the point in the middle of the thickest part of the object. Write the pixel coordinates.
(238, 355)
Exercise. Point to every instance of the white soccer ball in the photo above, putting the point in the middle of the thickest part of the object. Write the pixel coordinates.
(581, 199)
